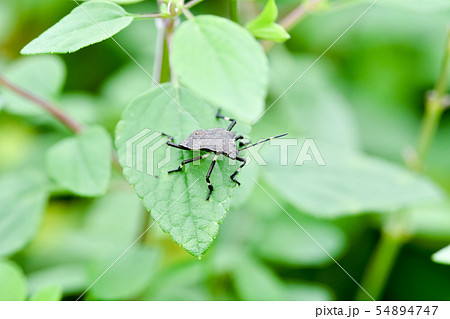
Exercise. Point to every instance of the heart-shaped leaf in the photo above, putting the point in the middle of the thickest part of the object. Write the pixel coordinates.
(88, 23)
(223, 63)
(82, 164)
(178, 200)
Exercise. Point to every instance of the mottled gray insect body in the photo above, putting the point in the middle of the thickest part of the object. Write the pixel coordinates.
(217, 140)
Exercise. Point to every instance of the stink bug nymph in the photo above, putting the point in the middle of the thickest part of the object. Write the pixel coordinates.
(219, 141)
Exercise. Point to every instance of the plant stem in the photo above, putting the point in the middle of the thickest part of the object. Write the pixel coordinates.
(383, 258)
(70, 123)
(192, 3)
(433, 112)
(434, 107)
(293, 18)
(233, 7)
(146, 15)
(395, 232)
(53, 110)
(161, 68)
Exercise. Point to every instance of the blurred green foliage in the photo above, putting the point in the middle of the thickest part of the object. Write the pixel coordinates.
(363, 102)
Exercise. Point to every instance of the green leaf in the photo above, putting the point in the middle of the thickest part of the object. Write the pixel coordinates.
(223, 63)
(23, 198)
(304, 291)
(13, 282)
(71, 278)
(180, 282)
(349, 183)
(82, 164)
(264, 26)
(177, 201)
(129, 276)
(42, 75)
(442, 256)
(301, 251)
(47, 293)
(89, 23)
(254, 281)
(314, 107)
(430, 221)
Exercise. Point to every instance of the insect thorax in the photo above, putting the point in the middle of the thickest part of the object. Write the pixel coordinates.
(216, 140)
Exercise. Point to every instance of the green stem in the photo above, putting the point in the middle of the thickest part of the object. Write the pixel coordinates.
(434, 107)
(395, 231)
(433, 112)
(192, 3)
(233, 5)
(381, 263)
(161, 69)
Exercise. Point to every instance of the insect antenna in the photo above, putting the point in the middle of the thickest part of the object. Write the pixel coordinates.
(267, 139)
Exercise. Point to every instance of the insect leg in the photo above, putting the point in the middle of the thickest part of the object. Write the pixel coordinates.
(240, 137)
(172, 144)
(226, 118)
(188, 161)
(208, 175)
(241, 159)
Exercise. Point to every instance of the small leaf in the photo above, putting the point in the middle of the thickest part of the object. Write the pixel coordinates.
(223, 63)
(47, 293)
(89, 23)
(272, 32)
(13, 284)
(42, 75)
(71, 278)
(442, 256)
(348, 183)
(129, 276)
(82, 164)
(23, 197)
(264, 26)
(177, 201)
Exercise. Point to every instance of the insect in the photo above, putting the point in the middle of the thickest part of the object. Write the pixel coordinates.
(219, 141)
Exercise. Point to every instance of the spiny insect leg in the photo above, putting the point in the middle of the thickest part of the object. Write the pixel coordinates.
(208, 175)
(226, 118)
(170, 142)
(188, 161)
(241, 159)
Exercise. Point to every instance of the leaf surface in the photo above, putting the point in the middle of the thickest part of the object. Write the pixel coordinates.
(13, 283)
(82, 164)
(349, 182)
(177, 201)
(23, 198)
(223, 63)
(264, 26)
(88, 23)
